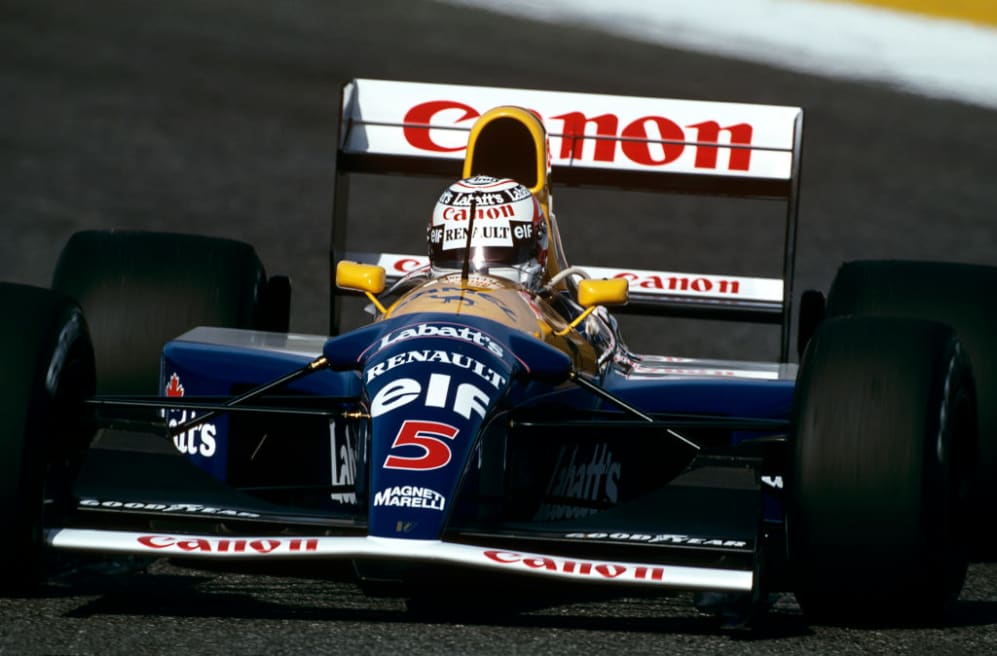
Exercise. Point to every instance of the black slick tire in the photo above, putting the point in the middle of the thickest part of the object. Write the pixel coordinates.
(956, 294)
(48, 371)
(139, 290)
(878, 479)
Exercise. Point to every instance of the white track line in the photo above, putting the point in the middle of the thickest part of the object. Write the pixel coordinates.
(934, 57)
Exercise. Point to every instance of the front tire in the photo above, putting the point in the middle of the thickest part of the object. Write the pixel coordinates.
(956, 294)
(48, 371)
(878, 483)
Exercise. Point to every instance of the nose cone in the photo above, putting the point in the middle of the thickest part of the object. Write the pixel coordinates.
(430, 387)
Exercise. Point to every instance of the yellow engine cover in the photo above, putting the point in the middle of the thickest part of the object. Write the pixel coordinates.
(499, 300)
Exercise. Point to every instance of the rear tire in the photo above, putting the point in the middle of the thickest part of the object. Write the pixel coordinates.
(142, 289)
(878, 483)
(48, 371)
(959, 295)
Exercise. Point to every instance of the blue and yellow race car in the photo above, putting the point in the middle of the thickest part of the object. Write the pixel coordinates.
(488, 423)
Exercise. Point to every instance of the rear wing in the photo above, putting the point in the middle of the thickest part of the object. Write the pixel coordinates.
(651, 292)
(622, 142)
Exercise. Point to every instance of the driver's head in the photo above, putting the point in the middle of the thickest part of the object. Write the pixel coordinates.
(510, 233)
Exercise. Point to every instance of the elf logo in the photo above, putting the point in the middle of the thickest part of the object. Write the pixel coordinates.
(467, 398)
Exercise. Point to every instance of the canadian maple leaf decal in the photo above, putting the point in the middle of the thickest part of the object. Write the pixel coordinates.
(174, 388)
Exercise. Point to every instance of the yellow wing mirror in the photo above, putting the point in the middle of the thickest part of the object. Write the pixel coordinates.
(360, 277)
(593, 293)
(603, 292)
(366, 278)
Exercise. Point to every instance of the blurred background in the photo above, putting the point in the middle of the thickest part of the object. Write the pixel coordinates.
(219, 117)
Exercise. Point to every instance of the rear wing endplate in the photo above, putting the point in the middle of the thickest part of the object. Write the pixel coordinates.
(624, 142)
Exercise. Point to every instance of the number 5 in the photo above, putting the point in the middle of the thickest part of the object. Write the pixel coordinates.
(425, 435)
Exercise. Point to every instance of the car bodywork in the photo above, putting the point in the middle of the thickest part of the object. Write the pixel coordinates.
(473, 427)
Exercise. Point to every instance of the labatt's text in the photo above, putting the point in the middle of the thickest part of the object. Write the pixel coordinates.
(457, 332)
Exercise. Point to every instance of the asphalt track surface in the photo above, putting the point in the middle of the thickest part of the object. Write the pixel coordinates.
(219, 117)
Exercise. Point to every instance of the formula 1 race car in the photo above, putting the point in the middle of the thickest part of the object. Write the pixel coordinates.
(482, 428)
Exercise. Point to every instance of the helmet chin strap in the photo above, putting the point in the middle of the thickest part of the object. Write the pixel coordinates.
(466, 268)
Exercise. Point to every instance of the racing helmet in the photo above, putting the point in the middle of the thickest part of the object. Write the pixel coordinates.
(509, 238)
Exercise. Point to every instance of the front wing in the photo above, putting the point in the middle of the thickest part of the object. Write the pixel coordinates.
(499, 561)
(700, 532)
